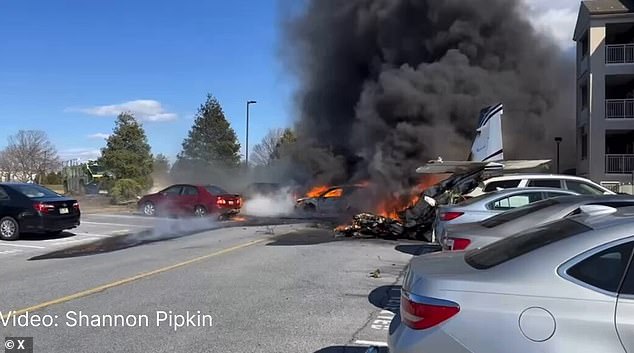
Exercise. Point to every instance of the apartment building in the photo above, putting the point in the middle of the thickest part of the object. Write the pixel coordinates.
(605, 90)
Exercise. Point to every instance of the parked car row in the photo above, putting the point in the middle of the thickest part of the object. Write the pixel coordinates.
(524, 270)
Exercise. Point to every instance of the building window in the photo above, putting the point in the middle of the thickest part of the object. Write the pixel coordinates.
(584, 96)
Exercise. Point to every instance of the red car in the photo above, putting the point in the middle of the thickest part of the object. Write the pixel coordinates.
(197, 200)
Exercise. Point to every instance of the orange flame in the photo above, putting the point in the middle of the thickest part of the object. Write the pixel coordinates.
(317, 191)
(392, 206)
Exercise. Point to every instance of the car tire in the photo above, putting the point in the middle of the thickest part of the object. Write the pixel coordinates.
(148, 209)
(9, 229)
(200, 211)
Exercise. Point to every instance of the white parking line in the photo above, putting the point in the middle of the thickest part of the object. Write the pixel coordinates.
(370, 343)
(23, 246)
(115, 224)
(117, 216)
(93, 235)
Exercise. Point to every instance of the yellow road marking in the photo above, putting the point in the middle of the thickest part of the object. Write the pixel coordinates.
(118, 283)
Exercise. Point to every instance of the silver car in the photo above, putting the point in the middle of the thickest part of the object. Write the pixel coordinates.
(567, 286)
(475, 235)
(488, 205)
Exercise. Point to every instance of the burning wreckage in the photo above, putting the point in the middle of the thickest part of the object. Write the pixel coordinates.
(416, 220)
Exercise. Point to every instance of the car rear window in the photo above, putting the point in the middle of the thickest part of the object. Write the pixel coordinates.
(523, 243)
(215, 190)
(517, 213)
(34, 191)
(503, 184)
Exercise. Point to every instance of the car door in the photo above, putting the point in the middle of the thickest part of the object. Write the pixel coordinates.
(330, 201)
(603, 272)
(625, 310)
(188, 199)
(168, 201)
(6, 209)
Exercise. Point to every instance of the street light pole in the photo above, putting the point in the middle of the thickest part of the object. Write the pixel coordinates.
(558, 141)
(247, 142)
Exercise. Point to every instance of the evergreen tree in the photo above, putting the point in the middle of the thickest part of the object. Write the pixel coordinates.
(127, 152)
(211, 140)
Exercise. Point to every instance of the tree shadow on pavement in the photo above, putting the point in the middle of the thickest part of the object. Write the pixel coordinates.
(386, 298)
(348, 349)
(417, 249)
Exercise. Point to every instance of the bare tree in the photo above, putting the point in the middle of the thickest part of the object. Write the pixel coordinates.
(263, 153)
(29, 153)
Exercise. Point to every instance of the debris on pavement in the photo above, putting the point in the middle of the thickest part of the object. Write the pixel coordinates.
(376, 273)
(416, 220)
(366, 225)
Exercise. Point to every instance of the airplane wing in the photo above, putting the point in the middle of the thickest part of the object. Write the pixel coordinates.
(464, 167)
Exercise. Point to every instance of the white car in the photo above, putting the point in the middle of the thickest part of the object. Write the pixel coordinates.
(577, 184)
(566, 286)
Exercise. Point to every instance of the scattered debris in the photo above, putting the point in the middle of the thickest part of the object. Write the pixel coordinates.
(366, 225)
(376, 273)
(416, 220)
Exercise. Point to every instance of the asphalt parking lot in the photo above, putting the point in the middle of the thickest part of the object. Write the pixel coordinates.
(309, 291)
(93, 227)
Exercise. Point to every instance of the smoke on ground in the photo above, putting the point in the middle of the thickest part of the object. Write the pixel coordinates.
(385, 85)
(275, 205)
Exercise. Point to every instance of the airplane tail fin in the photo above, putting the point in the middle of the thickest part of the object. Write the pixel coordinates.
(488, 144)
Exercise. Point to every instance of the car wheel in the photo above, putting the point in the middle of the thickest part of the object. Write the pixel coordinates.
(9, 229)
(200, 211)
(149, 209)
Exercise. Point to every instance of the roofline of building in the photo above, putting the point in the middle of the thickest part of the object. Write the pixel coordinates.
(584, 18)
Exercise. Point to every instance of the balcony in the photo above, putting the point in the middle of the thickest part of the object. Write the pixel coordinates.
(619, 163)
(619, 54)
(619, 108)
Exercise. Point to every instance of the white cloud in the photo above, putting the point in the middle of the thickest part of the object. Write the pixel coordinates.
(556, 19)
(143, 109)
(82, 154)
(98, 136)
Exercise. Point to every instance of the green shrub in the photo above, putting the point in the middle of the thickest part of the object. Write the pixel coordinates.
(125, 190)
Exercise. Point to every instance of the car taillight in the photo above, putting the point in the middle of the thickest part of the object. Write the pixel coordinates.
(449, 216)
(458, 243)
(76, 206)
(221, 201)
(43, 207)
(421, 313)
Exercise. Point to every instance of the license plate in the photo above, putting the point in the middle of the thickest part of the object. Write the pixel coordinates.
(63, 211)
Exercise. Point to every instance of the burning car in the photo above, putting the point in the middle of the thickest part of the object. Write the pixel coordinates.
(324, 199)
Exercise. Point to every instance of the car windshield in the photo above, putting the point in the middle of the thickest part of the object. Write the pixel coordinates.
(517, 213)
(523, 243)
(35, 191)
(215, 190)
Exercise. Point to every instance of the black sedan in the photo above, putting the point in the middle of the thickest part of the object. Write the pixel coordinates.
(31, 208)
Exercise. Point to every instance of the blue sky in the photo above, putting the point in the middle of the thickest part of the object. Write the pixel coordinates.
(67, 66)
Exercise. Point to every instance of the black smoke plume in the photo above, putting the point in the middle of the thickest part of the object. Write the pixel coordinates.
(386, 85)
